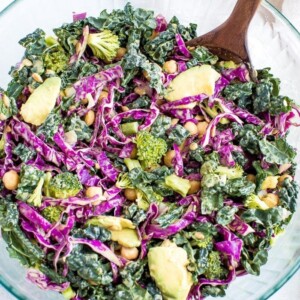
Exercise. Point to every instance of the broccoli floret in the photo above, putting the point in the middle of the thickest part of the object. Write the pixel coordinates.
(208, 167)
(253, 201)
(52, 213)
(231, 173)
(213, 111)
(104, 45)
(123, 181)
(204, 241)
(64, 185)
(178, 184)
(214, 269)
(131, 163)
(56, 59)
(150, 149)
(36, 197)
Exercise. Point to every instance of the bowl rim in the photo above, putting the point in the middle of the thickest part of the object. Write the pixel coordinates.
(290, 273)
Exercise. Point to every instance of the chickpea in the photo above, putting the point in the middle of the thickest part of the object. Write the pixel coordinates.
(191, 127)
(130, 194)
(174, 122)
(199, 235)
(93, 191)
(124, 108)
(169, 157)
(272, 200)
(7, 129)
(71, 137)
(160, 102)
(193, 146)
(89, 118)
(202, 126)
(130, 253)
(140, 91)
(269, 183)
(85, 101)
(103, 94)
(195, 187)
(170, 66)
(282, 178)
(11, 180)
(120, 53)
(199, 118)
(251, 177)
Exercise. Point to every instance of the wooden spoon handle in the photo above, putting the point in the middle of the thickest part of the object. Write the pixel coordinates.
(231, 35)
(238, 22)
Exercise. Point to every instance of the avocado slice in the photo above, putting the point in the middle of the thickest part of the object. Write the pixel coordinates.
(111, 223)
(167, 265)
(194, 81)
(41, 102)
(126, 237)
(122, 230)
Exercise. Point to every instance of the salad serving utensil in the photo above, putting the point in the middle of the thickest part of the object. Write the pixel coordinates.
(229, 40)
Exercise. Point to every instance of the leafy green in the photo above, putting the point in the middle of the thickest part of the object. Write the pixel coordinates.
(23, 152)
(135, 214)
(226, 215)
(8, 106)
(83, 132)
(134, 292)
(248, 137)
(197, 154)
(142, 102)
(93, 232)
(211, 200)
(160, 126)
(239, 187)
(68, 35)
(253, 261)
(288, 194)
(34, 43)
(279, 151)
(29, 179)
(214, 291)
(177, 135)
(172, 214)
(50, 126)
(9, 214)
(52, 275)
(160, 47)
(268, 218)
(133, 272)
(20, 247)
(89, 267)
(201, 55)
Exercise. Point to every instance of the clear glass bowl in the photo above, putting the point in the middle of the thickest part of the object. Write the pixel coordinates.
(273, 42)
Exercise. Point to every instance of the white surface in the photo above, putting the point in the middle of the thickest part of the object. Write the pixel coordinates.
(291, 290)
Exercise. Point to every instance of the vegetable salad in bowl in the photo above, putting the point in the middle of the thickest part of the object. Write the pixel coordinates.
(134, 167)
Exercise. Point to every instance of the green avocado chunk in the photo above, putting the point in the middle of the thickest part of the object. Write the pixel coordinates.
(167, 265)
(194, 81)
(41, 102)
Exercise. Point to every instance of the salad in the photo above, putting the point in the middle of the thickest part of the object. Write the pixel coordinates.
(135, 167)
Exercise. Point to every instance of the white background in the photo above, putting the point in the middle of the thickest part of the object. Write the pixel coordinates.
(291, 290)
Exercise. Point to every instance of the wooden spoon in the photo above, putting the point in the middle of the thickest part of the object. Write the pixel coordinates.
(228, 41)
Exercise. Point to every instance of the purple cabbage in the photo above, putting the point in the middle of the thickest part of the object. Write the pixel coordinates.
(241, 227)
(181, 46)
(161, 23)
(50, 154)
(177, 161)
(79, 16)
(163, 233)
(232, 245)
(44, 282)
(106, 166)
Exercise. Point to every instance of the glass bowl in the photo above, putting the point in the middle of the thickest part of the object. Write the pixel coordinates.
(273, 42)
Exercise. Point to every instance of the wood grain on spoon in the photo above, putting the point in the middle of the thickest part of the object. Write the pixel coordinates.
(228, 40)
